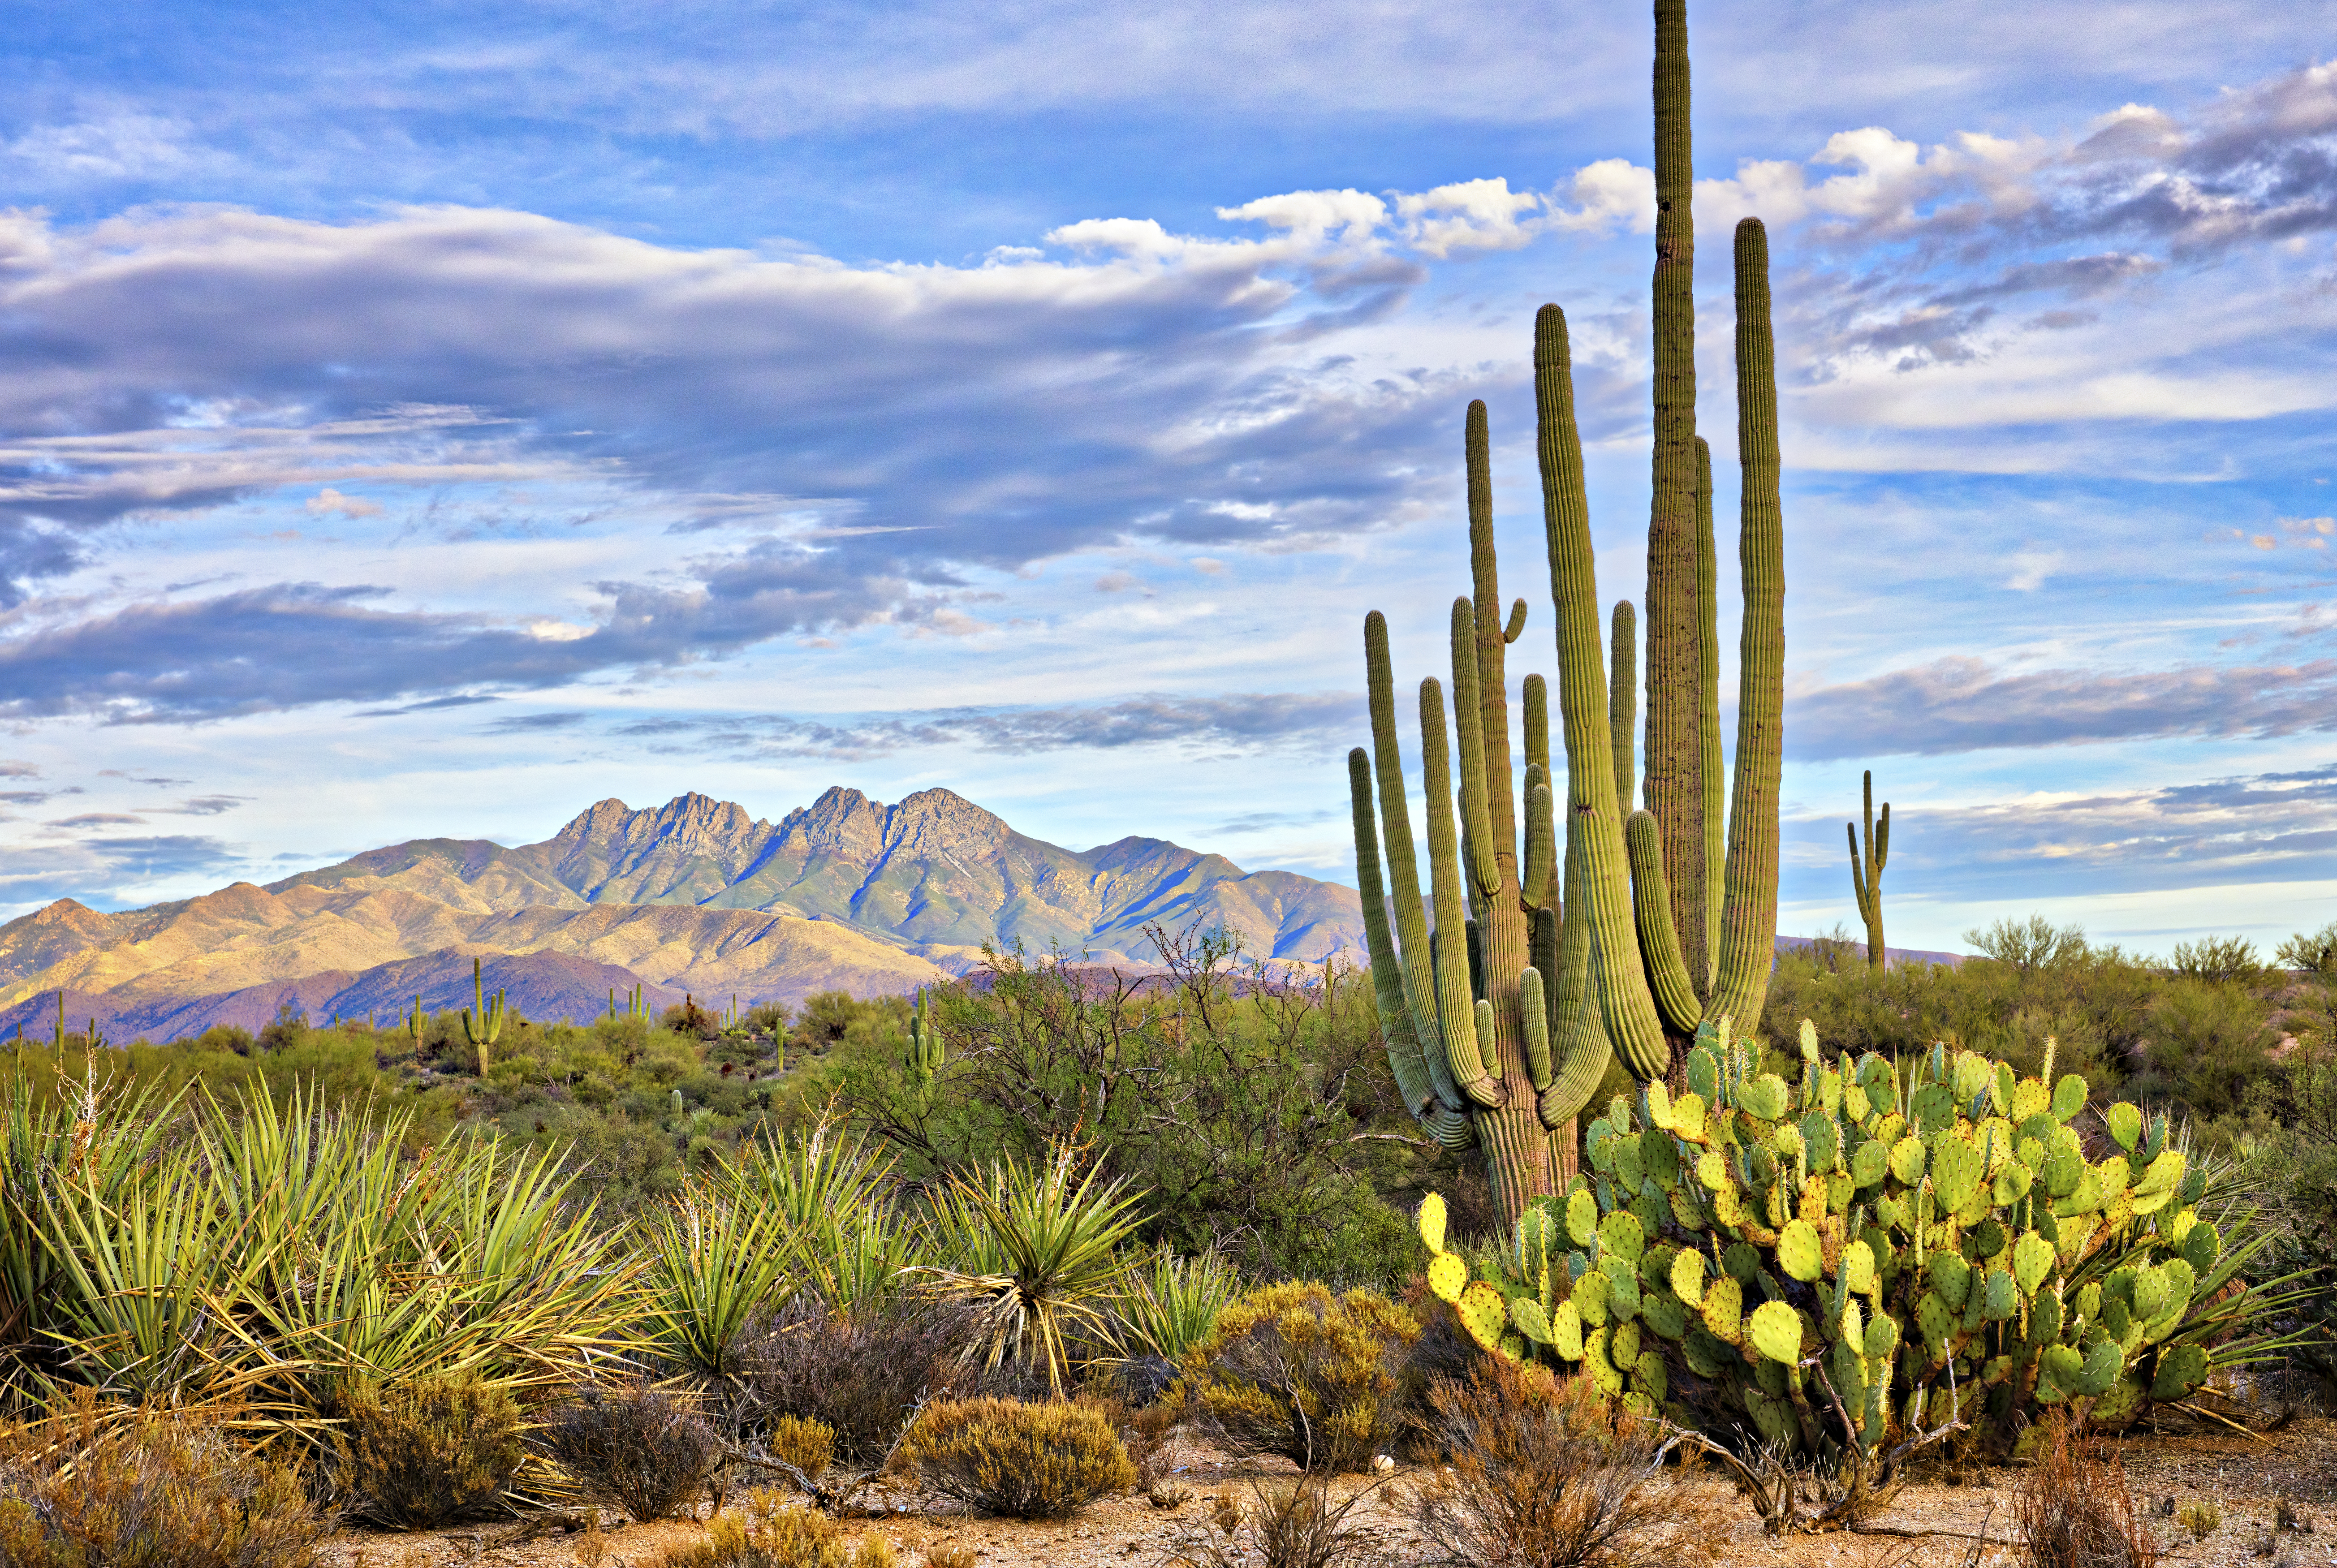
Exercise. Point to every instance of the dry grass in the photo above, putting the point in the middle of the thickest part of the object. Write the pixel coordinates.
(1293, 1524)
(148, 1489)
(1537, 1476)
(426, 1453)
(766, 1532)
(2074, 1508)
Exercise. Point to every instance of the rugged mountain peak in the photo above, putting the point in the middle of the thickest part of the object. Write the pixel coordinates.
(694, 819)
(842, 820)
(939, 820)
(64, 911)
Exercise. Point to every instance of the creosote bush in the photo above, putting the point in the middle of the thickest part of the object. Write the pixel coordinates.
(859, 1372)
(1025, 1461)
(767, 1532)
(426, 1453)
(2074, 1509)
(146, 1489)
(1317, 1378)
(639, 1449)
(1537, 1476)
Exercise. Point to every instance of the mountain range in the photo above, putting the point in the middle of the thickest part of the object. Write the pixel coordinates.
(694, 896)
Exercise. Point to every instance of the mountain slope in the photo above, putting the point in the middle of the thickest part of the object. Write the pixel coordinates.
(935, 872)
(695, 895)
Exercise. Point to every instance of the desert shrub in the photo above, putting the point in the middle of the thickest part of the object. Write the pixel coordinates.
(1026, 1461)
(1536, 1476)
(148, 1490)
(767, 1533)
(1295, 1371)
(1291, 1524)
(639, 1449)
(425, 1452)
(809, 1445)
(859, 1373)
(2073, 1509)
(2207, 1043)
(1227, 1097)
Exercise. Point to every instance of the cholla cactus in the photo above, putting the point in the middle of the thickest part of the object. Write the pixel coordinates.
(1878, 1250)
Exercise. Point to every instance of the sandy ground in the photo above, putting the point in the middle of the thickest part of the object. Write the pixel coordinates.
(2246, 1478)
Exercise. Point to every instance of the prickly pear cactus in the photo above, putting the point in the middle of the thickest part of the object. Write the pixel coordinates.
(1875, 1248)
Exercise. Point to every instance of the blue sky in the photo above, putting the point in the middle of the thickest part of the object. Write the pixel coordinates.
(424, 419)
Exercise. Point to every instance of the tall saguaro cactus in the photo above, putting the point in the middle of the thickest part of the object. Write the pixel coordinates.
(484, 1025)
(1866, 880)
(1499, 1026)
(1674, 759)
(1498, 1052)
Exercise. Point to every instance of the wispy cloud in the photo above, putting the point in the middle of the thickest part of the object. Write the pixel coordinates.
(1237, 723)
(1966, 704)
(2263, 827)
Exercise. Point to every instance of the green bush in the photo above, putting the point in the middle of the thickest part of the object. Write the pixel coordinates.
(1231, 1099)
(426, 1453)
(1319, 1379)
(2208, 1042)
(1025, 1461)
(148, 1490)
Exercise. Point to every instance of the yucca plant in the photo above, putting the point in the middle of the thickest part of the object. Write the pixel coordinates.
(44, 1137)
(1036, 1254)
(280, 1254)
(1169, 1303)
(831, 1193)
(716, 1264)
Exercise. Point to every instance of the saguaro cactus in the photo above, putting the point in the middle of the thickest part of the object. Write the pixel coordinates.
(1498, 1052)
(1674, 748)
(1866, 879)
(415, 1025)
(924, 1056)
(483, 1021)
(1665, 926)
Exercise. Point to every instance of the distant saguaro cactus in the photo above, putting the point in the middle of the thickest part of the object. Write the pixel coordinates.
(485, 1025)
(1866, 880)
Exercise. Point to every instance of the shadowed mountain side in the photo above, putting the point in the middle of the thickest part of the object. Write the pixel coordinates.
(539, 986)
(243, 935)
(934, 871)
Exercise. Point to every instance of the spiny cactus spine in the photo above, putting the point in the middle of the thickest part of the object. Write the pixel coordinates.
(484, 1025)
(1866, 878)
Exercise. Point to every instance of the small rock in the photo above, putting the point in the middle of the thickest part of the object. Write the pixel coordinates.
(1383, 1464)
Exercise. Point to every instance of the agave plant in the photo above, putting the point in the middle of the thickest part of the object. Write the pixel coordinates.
(1036, 1250)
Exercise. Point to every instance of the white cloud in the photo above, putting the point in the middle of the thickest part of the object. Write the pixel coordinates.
(330, 502)
(1473, 215)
